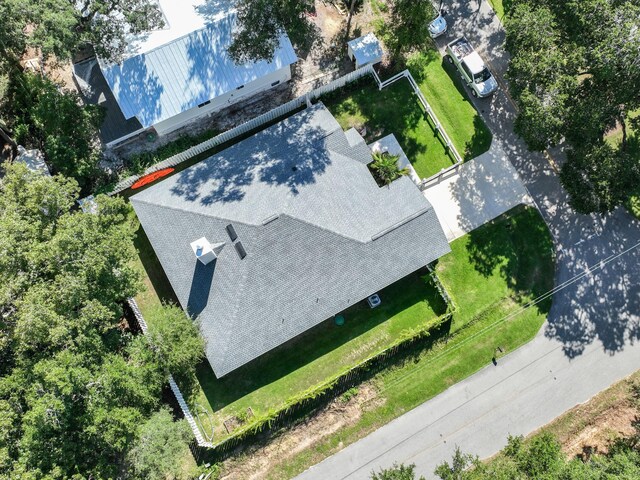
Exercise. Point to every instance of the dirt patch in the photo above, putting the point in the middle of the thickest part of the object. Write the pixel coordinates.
(591, 427)
(256, 463)
(614, 423)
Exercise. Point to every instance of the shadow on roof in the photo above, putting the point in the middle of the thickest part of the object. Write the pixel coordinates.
(96, 91)
(200, 287)
(289, 154)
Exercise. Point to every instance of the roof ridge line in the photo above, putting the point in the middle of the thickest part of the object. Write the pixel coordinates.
(400, 223)
(177, 209)
(306, 222)
(181, 37)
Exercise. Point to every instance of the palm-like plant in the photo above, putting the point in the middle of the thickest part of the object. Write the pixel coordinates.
(385, 168)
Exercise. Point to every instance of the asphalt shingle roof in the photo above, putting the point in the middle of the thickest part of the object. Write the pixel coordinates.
(320, 235)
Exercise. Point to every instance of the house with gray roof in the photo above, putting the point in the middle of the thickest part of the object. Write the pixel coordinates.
(282, 231)
(176, 74)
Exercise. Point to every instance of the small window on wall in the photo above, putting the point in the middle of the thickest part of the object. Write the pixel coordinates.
(275, 83)
(204, 103)
(241, 86)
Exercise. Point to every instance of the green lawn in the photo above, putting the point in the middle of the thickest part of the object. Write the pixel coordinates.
(312, 358)
(501, 7)
(633, 142)
(397, 110)
(450, 102)
(490, 273)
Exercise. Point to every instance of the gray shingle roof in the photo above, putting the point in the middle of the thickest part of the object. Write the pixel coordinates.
(320, 235)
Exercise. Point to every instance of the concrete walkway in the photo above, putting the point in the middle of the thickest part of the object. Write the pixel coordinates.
(477, 192)
(592, 335)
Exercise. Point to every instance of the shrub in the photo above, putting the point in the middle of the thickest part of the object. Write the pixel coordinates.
(385, 168)
(56, 121)
(349, 394)
(138, 163)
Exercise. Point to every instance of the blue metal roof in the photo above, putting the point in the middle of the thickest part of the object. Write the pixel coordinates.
(182, 74)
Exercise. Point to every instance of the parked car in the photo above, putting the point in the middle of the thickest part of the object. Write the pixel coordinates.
(472, 68)
(438, 25)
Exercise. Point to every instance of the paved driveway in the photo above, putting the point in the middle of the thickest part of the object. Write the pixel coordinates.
(591, 336)
(479, 190)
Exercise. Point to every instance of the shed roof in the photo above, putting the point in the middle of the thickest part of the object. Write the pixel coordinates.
(169, 79)
(366, 49)
(33, 159)
(318, 232)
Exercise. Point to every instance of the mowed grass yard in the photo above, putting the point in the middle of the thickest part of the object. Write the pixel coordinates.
(501, 7)
(633, 145)
(396, 109)
(491, 273)
(322, 352)
(308, 361)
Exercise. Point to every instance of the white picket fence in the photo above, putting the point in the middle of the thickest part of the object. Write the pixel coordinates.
(246, 127)
(172, 383)
(449, 144)
(286, 108)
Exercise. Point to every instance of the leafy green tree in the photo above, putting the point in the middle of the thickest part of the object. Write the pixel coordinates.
(598, 177)
(62, 27)
(58, 123)
(542, 457)
(261, 24)
(74, 384)
(575, 76)
(457, 470)
(397, 472)
(160, 448)
(178, 344)
(406, 26)
(385, 168)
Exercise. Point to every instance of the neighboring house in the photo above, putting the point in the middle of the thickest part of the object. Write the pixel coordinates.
(281, 231)
(171, 76)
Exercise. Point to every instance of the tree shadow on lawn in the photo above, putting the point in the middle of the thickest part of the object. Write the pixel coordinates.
(480, 141)
(317, 342)
(519, 245)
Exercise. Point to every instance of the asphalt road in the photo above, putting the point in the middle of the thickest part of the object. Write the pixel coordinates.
(591, 336)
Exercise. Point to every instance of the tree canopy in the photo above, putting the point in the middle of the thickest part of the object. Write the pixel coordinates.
(161, 447)
(57, 122)
(62, 27)
(261, 24)
(396, 472)
(575, 74)
(406, 27)
(542, 458)
(75, 383)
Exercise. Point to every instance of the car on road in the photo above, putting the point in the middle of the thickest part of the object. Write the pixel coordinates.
(472, 68)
